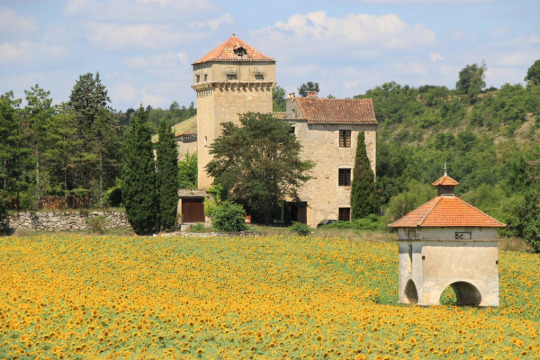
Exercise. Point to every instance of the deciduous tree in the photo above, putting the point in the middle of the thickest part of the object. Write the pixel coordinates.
(533, 74)
(304, 89)
(258, 163)
(471, 80)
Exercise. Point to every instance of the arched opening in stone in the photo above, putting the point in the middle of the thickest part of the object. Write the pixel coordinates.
(461, 293)
(411, 294)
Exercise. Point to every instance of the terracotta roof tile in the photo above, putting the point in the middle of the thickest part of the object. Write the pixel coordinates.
(340, 111)
(226, 52)
(445, 180)
(446, 211)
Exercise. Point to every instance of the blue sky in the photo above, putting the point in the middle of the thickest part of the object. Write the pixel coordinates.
(143, 49)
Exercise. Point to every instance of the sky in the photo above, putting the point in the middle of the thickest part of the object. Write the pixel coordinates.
(143, 49)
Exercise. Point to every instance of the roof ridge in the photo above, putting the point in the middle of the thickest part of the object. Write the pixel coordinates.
(439, 198)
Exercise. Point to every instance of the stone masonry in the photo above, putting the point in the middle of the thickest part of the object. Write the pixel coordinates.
(65, 220)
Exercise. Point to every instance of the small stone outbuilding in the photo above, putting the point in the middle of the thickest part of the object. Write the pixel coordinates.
(448, 242)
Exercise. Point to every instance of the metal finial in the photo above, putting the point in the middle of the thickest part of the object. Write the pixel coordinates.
(233, 34)
(445, 174)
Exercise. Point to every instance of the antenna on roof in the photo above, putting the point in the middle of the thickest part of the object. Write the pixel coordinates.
(445, 174)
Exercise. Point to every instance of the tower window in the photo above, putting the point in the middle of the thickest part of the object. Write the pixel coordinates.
(344, 138)
(198, 78)
(259, 77)
(232, 77)
(344, 177)
(205, 77)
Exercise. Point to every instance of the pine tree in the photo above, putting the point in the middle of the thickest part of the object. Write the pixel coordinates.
(139, 177)
(363, 192)
(167, 176)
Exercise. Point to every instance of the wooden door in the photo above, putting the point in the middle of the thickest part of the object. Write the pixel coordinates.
(193, 210)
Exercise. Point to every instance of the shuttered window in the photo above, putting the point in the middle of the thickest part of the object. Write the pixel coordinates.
(344, 138)
(344, 177)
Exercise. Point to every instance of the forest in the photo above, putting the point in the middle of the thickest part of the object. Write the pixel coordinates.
(70, 155)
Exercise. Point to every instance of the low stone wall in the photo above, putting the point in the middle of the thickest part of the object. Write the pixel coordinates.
(65, 220)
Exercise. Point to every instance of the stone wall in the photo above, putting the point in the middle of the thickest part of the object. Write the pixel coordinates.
(65, 220)
(320, 144)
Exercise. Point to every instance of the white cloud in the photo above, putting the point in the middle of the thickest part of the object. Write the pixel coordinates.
(11, 23)
(30, 53)
(213, 24)
(118, 37)
(169, 60)
(436, 57)
(351, 36)
(524, 40)
(143, 10)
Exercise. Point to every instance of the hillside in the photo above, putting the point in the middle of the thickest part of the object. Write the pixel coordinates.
(490, 143)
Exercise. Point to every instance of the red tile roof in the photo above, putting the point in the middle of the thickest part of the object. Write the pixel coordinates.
(340, 111)
(225, 52)
(445, 181)
(446, 211)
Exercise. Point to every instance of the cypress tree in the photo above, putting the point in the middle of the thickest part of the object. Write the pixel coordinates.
(167, 176)
(139, 177)
(363, 192)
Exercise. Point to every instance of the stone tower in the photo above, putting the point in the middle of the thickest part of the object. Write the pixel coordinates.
(447, 242)
(232, 79)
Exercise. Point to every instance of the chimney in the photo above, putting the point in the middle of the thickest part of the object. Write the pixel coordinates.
(311, 95)
(291, 95)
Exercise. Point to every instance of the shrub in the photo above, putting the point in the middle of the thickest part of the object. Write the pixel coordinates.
(370, 222)
(229, 217)
(96, 223)
(300, 229)
(198, 227)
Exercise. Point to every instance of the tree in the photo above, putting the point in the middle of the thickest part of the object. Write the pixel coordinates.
(139, 176)
(525, 222)
(38, 114)
(258, 164)
(304, 89)
(98, 129)
(11, 147)
(363, 190)
(187, 172)
(533, 74)
(167, 176)
(278, 98)
(471, 80)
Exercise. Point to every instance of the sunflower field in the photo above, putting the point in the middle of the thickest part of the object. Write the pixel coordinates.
(85, 297)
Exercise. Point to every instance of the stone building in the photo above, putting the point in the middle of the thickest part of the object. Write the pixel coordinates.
(448, 242)
(235, 78)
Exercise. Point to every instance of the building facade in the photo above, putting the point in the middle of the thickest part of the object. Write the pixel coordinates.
(235, 78)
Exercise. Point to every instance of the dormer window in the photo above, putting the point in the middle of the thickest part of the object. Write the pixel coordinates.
(240, 51)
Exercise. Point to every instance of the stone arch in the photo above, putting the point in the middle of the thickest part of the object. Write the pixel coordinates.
(411, 294)
(466, 293)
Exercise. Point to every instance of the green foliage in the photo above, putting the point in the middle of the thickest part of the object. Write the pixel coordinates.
(371, 222)
(278, 98)
(198, 227)
(525, 221)
(363, 191)
(4, 226)
(96, 223)
(214, 200)
(187, 172)
(304, 89)
(300, 229)
(533, 74)
(139, 177)
(113, 195)
(471, 80)
(258, 163)
(167, 177)
(229, 217)
(415, 194)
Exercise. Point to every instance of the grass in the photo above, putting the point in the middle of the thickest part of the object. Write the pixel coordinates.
(81, 296)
